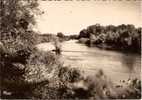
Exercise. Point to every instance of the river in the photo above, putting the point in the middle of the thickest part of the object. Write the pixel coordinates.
(116, 65)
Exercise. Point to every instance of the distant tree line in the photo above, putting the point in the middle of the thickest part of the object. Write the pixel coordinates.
(42, 38)
(63, 37)
(122, 37)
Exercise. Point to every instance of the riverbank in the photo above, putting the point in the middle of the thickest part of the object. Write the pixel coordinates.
(46, 78)
(125, 38)
(106, 46)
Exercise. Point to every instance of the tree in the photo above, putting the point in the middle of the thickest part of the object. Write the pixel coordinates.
(17, 13)
(17, 41)
(16, 16)
(84, 34)
(60, 35)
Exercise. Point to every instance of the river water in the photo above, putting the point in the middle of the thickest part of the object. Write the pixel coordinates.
(116, 65)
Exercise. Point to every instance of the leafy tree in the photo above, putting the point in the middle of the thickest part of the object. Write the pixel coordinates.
(125, 37)
(84, 34)
(17, 41)
(16, 18)
(17, 14)
(60, 35)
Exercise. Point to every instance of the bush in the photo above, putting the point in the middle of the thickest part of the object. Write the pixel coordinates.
(40, 65)
(69, 74)
(131, 89)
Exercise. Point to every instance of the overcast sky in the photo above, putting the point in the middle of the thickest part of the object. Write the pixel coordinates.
(72, 16)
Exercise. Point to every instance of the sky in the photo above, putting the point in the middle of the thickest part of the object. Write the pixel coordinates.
(70, 17)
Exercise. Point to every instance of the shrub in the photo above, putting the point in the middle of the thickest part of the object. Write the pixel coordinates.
(69, 74)
(40, 65)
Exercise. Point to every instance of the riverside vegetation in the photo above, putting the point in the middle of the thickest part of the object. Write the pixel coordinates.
(28, 73)
(122, 37)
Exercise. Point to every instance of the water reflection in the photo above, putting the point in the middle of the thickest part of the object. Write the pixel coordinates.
(128, 62)
(131, 63)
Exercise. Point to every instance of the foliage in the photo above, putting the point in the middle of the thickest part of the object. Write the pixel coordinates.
(86, 87)
(43, 77)
(73, 36)
(16, 18)
(122, 37)
(32, 74)
(17, 13)
(17, 42)
(69, 74)
(59, 86)
(40, 65)
(20, 79)
(63, 37)
(42, 38)
(60, 35)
